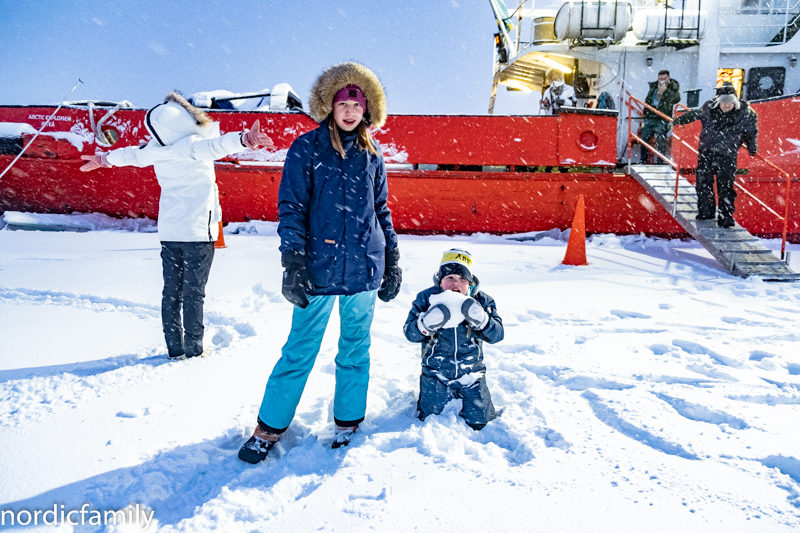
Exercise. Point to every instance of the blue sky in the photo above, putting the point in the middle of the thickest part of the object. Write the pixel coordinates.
(432, 56)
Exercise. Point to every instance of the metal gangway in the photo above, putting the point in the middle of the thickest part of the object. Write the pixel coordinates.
(739, 252)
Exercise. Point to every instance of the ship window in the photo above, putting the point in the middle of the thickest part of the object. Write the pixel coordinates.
(733, 75)
(764, 7)
(587, 141)
(111, 135)
(765, 82)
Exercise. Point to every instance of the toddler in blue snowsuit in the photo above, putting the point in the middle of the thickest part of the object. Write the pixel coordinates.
(451, 329)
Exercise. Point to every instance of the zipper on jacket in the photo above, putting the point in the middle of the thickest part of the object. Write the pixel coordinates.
(210, 238)
(455, 350)
(431, 344)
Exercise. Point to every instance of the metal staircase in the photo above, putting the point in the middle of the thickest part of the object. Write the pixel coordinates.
(735, 248)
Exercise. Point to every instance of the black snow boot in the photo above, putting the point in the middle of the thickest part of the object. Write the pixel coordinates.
(256, 448)
(343, 436)
(726, 222)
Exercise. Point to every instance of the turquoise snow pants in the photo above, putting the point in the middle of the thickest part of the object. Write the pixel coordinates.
(288, 379)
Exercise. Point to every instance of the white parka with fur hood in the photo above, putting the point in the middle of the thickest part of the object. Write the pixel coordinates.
(185, 144)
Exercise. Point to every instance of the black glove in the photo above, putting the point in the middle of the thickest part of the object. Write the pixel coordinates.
(474, 314)
(433, 319)
(295, 278)
(392, 276)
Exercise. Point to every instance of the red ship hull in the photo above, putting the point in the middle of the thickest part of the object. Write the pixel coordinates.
(448, 174)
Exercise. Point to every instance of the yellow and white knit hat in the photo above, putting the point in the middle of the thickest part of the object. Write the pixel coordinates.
(456, 261)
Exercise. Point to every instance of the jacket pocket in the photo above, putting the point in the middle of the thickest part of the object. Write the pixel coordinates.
(376, 263)
(321, 268)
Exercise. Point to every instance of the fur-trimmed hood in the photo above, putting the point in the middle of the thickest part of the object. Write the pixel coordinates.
(175, 118)
(339, 76)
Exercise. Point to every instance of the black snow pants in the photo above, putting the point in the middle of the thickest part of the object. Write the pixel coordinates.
(477, 409)
(186, 268)
(724, 166)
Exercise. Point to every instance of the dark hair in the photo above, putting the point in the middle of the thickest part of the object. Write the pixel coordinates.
(660, 72)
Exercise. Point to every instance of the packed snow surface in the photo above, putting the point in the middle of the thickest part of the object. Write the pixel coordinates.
(648, 391)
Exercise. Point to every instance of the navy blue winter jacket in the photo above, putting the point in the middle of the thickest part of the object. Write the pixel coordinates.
(724, 133)
(335, 211)
(453, 352)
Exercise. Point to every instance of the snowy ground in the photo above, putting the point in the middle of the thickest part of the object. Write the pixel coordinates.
(648, 391)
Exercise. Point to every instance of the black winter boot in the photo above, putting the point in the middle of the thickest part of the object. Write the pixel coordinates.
(256, 448)
(726, 222)
(343, 436)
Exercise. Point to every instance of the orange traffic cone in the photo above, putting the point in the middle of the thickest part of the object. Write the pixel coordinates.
(221, 239)
(576, 247)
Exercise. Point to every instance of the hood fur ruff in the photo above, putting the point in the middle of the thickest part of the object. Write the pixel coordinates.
(339, 76)
(175, 119)
(199, 116)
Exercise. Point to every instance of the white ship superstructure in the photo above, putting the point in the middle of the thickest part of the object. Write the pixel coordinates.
(619, 46)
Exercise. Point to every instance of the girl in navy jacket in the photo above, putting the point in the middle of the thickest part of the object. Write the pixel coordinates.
(337, 243)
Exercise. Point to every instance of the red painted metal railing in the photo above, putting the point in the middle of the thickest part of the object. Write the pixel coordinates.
(785, 216)
(631, 136)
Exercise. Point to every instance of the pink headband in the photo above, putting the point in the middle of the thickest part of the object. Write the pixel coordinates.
(351, 92)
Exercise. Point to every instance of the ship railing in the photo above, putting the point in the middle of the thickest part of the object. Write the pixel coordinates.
(631, 136)
(783, 20)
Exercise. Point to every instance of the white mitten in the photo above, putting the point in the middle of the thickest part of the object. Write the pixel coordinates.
(433, 319)
(474, 314)
(453, 301)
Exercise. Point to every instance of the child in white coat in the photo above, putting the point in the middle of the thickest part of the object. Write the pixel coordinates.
(185, 143)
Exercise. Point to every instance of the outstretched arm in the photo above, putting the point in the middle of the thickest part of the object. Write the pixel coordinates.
(689, 116)
(95, 161)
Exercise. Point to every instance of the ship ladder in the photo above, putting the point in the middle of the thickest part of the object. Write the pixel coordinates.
(739, 252)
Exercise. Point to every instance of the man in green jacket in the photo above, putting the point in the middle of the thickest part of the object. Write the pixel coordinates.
(663, 95)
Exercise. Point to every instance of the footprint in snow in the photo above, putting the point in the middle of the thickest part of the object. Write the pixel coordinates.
(628, 314)
(146, 411)
(701, 413)
(608, 414)
(694, 348)
(270, 296)
(659, 349)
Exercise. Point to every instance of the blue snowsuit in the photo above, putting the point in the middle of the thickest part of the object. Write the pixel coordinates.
(334, 210)
(452, 362)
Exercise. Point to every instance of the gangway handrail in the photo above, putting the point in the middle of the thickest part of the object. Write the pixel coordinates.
(786, 201)
(738, 185)
(670, 162)
(674, 165)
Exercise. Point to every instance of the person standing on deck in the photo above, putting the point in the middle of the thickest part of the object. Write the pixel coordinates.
(557, 95)
(664, 93)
